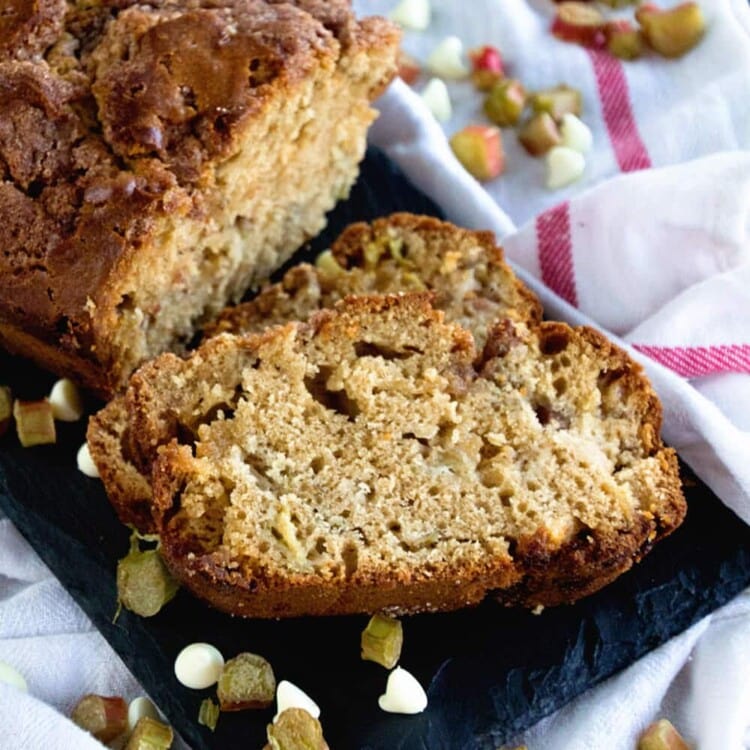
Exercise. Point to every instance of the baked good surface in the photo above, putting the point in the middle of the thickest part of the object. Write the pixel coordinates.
(157, 159)
(465, 270)
(374, 459)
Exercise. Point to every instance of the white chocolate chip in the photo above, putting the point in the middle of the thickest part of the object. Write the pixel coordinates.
(575, 133)
(412, 14)
(86, 463)
(435, 96)
(11, 676)
(289, 695)
(138, 708)
(66, 401)
(563, 167)
(446, 59)
(403, 694)
(199, 665)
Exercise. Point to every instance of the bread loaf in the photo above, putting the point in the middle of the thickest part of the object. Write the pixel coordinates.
(464, 269)
(374, 459)
(159, 158)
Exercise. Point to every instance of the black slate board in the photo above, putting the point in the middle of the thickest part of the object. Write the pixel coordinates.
(491, 671)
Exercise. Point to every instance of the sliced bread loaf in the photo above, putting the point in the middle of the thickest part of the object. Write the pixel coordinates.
(464, 269)
(373, 459)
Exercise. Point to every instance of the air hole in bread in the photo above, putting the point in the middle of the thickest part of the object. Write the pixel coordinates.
(560, 385)
(371, 349)
(336, 401)
(553, 342)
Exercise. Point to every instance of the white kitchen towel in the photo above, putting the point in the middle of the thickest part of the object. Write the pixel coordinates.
(658, 256)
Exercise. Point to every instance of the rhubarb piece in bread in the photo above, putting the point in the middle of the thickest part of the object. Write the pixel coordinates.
(370, 460)
(157, 159)
(465, 269)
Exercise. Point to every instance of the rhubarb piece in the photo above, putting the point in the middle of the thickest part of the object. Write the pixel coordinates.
(403, 694)
(382, 640)
(539, 134)
(486, 67)
(580, 23)
(505, 102)
(558, 101)
(288, 695)
(35, 423)
(564, 166)
(104, 717)
(435, 95)
(6, 409)
(408, 67)
(412, 14)
(661, 735)
(150, 734)
(445, 60)
(479, 148)
(672, 33)
(208, 714)
(624, 41)
(295, 729)
(575, 134)
(199, 665)
(327, 264)
(67, 405)
(247, 681)
(144, 585)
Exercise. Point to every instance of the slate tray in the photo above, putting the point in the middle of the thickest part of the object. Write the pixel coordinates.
(490, 671)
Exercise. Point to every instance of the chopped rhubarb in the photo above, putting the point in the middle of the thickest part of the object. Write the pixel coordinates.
(557, 101)
(486, 67)
(104, 717)
(35, 422)
(672, 32)
(624, 40)
(479, 148)
(505, 102)
(578, 22)
(539, 134)
(661, 735)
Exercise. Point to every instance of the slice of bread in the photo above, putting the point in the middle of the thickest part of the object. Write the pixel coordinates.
(464, 269)
(374, 459)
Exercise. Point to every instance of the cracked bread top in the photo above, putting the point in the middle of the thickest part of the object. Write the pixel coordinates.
(113, 113)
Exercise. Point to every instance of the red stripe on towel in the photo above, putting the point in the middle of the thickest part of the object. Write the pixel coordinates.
(626, 141)
(555, 250)
(698, 361)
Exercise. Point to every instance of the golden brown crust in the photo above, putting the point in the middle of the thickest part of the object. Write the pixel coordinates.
(115, 116)
(594, 558)
(108, 437)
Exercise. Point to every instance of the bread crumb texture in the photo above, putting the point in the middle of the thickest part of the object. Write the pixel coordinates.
(157, 159)
(373, 458)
